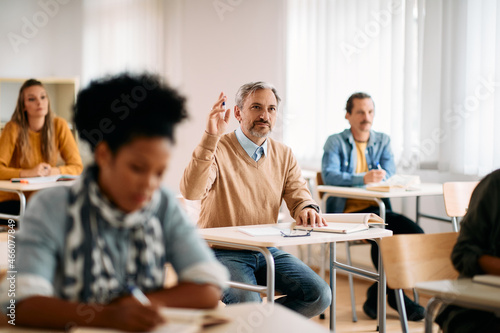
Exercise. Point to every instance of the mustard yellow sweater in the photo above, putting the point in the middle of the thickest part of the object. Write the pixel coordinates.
(10, 157)
(235, 190)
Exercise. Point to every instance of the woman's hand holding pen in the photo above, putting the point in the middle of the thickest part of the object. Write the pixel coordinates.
(130, 316)
(135, 314)
(218, 119)
(41, 170)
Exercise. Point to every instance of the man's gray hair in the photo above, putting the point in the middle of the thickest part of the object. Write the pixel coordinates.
(250, 88)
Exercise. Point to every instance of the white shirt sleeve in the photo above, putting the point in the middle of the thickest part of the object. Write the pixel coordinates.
(211, 272)
(18, 287)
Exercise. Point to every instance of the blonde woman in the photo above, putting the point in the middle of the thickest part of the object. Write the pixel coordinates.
(31, 142)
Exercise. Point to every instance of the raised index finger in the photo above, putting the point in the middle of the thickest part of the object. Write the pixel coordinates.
(221, 99)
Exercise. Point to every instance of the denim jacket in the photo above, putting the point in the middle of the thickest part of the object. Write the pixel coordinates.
(339, 162)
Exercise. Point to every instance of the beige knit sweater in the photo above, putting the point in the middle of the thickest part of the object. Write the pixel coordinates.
(235, 190)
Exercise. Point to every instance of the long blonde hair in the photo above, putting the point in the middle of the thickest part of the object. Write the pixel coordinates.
(20, 117)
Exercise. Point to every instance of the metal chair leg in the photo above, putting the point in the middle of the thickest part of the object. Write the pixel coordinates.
(454, 222)
(402, 310)
(351, 283)
(430, 310)
(322, 270)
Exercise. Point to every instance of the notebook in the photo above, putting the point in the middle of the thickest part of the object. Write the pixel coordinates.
(47, 179)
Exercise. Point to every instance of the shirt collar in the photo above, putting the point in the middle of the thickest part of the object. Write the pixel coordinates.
(248, 145)
(348, 135)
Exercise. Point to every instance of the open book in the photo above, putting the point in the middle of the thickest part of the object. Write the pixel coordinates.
(489, 279)
(47, 179)
(396, 183)
(346, 223)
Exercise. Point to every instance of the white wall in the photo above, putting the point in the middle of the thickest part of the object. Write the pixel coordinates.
(51, 38)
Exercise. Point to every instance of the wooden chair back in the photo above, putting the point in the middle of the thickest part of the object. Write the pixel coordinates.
(457, 196)
(319, 181)
(412, 258)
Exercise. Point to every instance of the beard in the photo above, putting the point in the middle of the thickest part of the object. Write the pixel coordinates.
(258, 134)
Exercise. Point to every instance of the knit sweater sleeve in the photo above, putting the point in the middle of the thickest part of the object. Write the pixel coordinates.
(296, 194)
(201, 171)
(8, 145)
(66, 145)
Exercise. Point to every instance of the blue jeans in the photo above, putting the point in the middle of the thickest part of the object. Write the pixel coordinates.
(305, 292)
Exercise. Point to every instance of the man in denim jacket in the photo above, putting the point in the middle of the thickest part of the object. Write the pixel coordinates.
(358, 156)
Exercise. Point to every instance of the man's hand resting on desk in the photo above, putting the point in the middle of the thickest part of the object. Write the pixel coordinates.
(374, 176)
(310, 217)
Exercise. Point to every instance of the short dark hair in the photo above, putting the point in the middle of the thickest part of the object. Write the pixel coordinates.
(358, 95)
(119, 108)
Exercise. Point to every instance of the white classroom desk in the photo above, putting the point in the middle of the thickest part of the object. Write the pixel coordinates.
(462, 292)
(231, 237)
(19, 189)
(245, 317)
(264, 318)
(425, 189)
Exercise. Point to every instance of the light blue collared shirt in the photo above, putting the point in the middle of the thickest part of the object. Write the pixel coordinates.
(248, 145)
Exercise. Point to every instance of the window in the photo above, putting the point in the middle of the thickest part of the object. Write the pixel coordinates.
(430, 66)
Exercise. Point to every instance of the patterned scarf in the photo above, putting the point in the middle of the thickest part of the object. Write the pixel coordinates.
(89, 273)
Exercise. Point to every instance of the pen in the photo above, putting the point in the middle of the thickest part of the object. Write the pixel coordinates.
(223, 107)
(139, 295)
(22, 181)
(380, 168)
